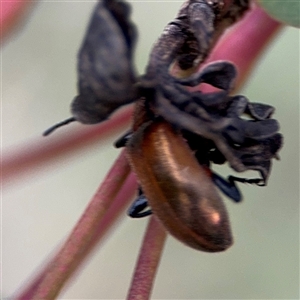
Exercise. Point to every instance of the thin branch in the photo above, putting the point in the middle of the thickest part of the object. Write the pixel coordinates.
(149, 258)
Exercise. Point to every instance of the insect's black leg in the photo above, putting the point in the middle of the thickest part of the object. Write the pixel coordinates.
(60, 124)
(257, 181)
(121, 142)
(229, 187)
(137, 209)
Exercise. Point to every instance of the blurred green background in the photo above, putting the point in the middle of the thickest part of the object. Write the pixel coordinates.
(38, 211)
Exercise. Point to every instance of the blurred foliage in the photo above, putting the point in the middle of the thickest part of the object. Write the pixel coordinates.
(287, 11)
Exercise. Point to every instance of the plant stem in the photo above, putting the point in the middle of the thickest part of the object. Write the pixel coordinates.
(148, 261)
(93, 224)
(245, 42)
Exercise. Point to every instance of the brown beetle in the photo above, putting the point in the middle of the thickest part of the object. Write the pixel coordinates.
(178, 189)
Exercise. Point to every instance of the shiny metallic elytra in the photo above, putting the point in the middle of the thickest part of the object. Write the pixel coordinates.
(178, 189)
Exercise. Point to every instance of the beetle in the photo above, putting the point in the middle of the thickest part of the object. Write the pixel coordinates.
(178, 189)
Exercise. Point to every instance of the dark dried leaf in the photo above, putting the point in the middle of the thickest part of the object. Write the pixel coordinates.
(106, 74)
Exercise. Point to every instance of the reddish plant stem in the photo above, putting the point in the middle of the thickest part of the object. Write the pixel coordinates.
(148, 261)
(16, 162)
(92, 226)
(245, 42)
(11, 13)
(118, 206)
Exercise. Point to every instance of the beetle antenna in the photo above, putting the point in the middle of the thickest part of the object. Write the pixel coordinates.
(60, 124)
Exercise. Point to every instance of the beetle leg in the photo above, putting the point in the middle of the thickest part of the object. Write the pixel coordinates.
(121, 141)
(229, 187)
(137, 209)
(58, 125)
(257, 181)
